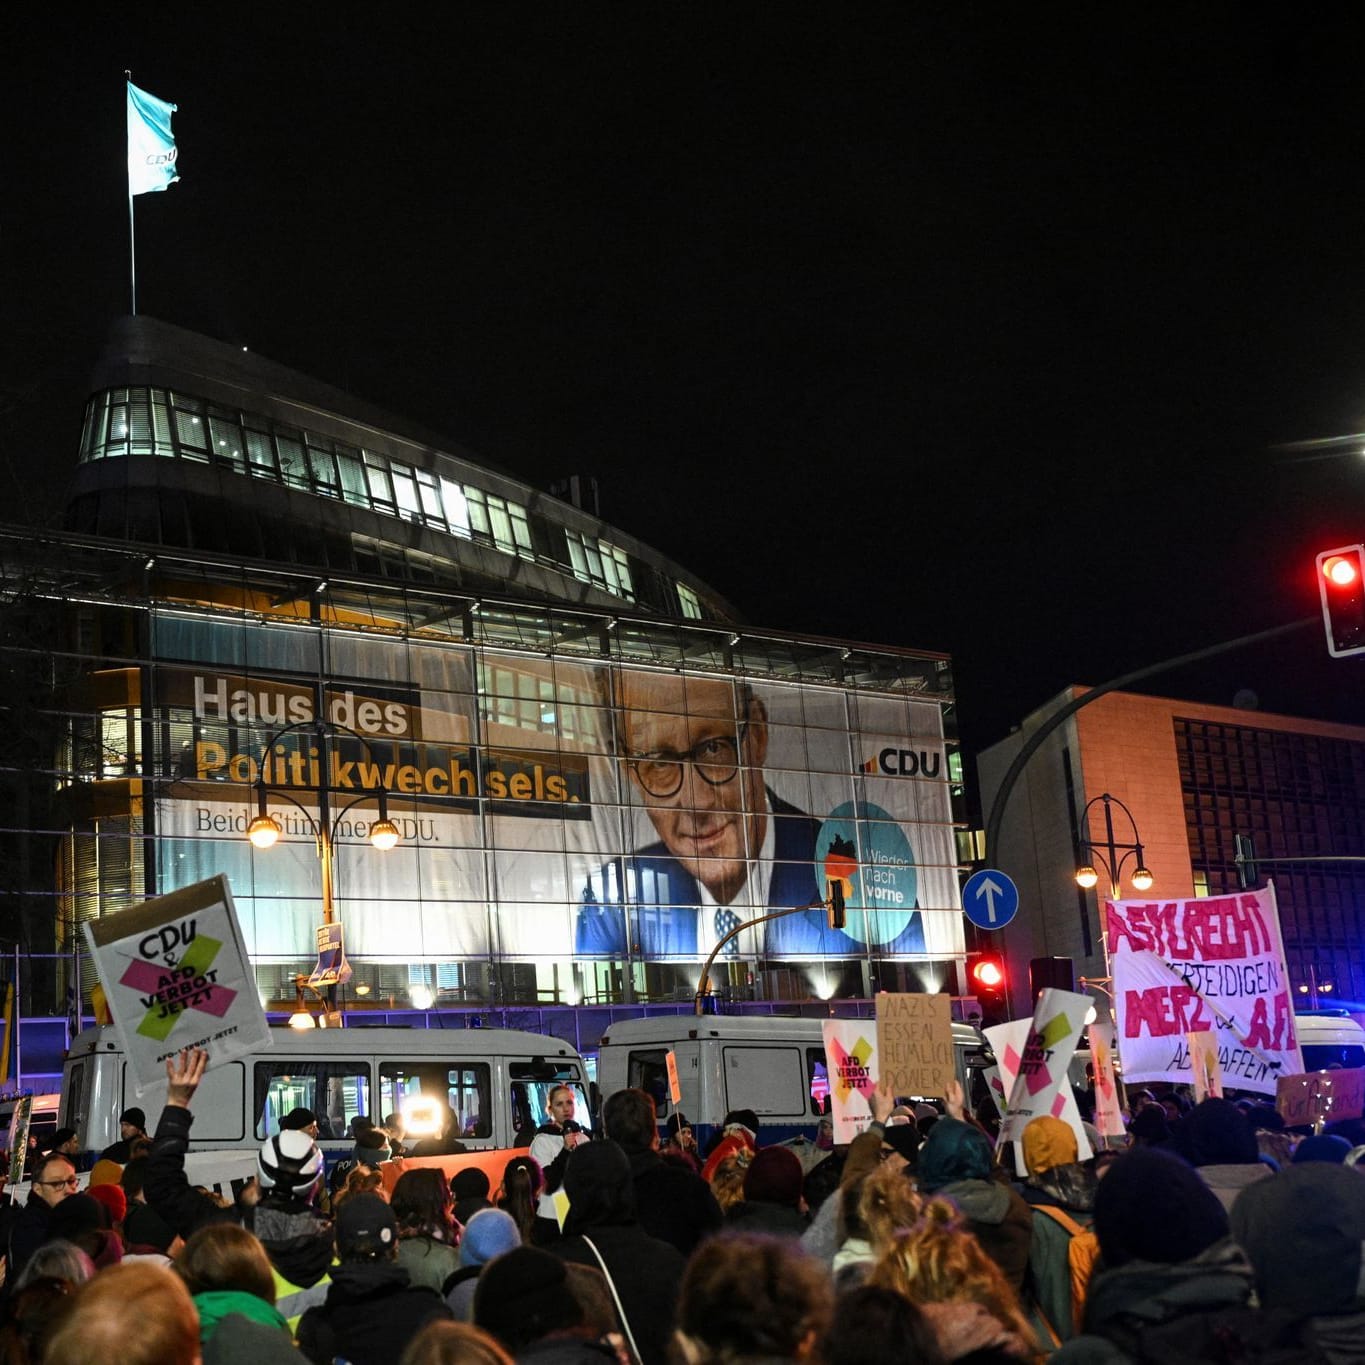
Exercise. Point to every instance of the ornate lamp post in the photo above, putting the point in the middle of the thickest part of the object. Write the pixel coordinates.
(1110, 853)
(264, 830)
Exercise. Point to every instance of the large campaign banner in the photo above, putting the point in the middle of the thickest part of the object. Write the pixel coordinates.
(548, 808)
(1213, 964)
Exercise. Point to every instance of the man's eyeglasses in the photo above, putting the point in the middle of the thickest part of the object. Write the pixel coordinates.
(715, 760)
(72, 1182)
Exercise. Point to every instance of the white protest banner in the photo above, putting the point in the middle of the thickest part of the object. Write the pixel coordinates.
(850, 1057)
(1058, 1018)
(176, 975)
(1008, 1042)
(1108, 1111)
(1191, 965)
(1327, 1095)
(915, 1043)
(1208, 1074)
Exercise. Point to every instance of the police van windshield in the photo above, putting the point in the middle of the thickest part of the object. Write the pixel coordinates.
(532, 1084)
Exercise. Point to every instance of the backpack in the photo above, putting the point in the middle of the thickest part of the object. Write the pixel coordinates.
(1081, 1255)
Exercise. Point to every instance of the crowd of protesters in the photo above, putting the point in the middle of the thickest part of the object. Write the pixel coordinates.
(1209, 1233)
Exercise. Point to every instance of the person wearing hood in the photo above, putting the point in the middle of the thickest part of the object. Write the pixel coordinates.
(1303, 1230)
(1062, 1194)
(278, 1207)
(372, 1309)
(601, 1230)
(1217, 1139)
(956, 1160)
(1168, 1269)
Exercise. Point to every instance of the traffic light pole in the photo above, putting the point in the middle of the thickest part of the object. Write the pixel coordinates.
(704, 981)
(1059, 717)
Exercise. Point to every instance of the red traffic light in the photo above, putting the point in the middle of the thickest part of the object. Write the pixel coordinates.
(1341, 570)
(1341, 585)
(988, 981)
(988, 974)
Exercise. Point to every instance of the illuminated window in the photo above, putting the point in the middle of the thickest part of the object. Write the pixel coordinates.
(689, 602)
(600, 563)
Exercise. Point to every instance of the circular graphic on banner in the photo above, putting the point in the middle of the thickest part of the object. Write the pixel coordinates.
(863, 846)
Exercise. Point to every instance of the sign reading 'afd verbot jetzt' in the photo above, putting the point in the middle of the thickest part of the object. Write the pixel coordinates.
(175, 974)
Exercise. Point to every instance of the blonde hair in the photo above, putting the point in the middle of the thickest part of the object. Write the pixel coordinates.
(938, 1260)
(727, 1180)
(135, 1314)
(887, 1203)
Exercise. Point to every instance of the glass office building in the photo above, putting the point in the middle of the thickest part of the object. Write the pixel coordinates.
(273, 599)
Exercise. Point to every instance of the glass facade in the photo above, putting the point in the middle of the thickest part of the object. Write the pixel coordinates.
(170, 424)
(1297, 796)
(578, 826)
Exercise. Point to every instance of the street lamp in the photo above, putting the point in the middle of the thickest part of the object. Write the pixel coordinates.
(264, 830)
(1110, 853)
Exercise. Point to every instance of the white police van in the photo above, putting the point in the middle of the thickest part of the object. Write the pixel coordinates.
(496, 1080)
(772, 1064)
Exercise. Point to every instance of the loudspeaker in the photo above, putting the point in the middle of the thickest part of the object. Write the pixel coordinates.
(1059, 972)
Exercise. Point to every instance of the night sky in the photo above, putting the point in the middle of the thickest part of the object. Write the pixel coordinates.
(953, 330)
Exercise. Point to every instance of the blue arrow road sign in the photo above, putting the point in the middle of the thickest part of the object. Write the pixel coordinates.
(990, 900)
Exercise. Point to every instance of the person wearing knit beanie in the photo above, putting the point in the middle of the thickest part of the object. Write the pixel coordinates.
(774, 1200)
(490, 1233)
(113, 1200)
(1171, 1284)
(774, 1177)
(1303, 1230)
(1326, 1147)
(1151, 1206)
(524, 1295)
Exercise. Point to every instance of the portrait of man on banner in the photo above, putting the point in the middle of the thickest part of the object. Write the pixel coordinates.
(728, 847)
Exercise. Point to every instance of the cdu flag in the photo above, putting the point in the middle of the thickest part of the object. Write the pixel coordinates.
(151, 148)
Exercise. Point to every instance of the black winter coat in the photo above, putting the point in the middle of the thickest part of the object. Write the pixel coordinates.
(673, 1204)
(371, 1313)
(647, 1274)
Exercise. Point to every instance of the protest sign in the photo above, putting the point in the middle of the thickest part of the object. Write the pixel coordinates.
(915, 1043)
(674, 1084)
(1192, 966)
(850, 1058)
(1208, 1074)
(1008, 1042)
(332, 968)
(1327, 1095)
(175, 974)
(1108, 1111)
(1058, 1018)
(19, 1121)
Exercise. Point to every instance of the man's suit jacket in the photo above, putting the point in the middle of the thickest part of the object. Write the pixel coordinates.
(666, 897)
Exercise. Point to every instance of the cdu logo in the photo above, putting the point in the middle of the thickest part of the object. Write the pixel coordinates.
(891, 762)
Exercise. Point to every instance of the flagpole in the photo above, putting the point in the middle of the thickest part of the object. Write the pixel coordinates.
(132, 239)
